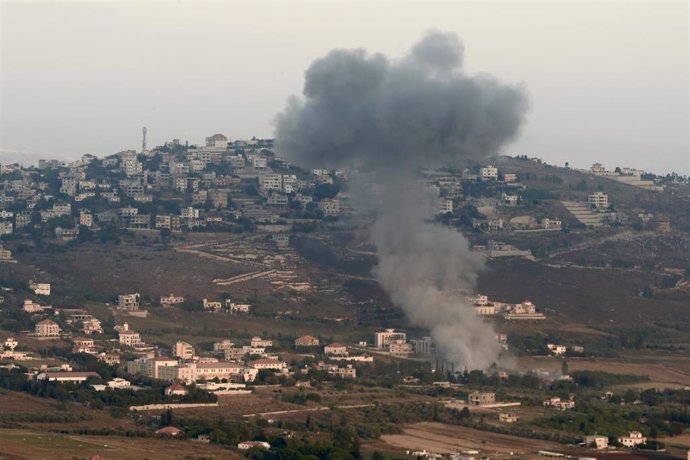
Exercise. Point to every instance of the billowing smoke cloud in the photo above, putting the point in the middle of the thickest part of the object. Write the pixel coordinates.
(393, 117)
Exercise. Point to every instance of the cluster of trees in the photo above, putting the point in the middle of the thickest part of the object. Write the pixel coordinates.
(600, 379)
(616, 420)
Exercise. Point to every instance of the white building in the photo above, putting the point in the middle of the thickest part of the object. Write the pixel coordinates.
(129, 338)
(168, 301)
(423, 346)
(217, 141)
(382, 339)
(335, 348)
(128, 301)
(510, 200)
(184, 350)
(40, 288)
(330, 207)
(246, 445)
(400, 348)
(31, 307)
(488, 173)
(212, 305)
(269, 363)
(633, 439)
(258, 342)
(47, 328)
(271, 181)
(550, 224)
(599, 200)
(62, 377)
(557, 350)
(445, 206)
(599, 442)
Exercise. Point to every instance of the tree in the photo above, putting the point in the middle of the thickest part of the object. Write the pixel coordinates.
(167, 418)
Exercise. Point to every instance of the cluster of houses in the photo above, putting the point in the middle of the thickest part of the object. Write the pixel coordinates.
(132, 304)
(630, 176)
(521, 311)
(396, 343)
(221, 184)
(633, 439)
(217, 184)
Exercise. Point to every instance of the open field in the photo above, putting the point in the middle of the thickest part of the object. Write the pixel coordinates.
(130, 267)
(668, 371)
(22, 444)
(442, 438)
(21, 409)
(596, 298)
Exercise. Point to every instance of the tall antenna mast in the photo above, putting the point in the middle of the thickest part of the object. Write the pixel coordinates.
(143, 141)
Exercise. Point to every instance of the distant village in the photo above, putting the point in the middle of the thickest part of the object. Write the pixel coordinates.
(243, 186)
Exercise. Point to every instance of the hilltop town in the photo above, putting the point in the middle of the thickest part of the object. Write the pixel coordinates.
(221, 297)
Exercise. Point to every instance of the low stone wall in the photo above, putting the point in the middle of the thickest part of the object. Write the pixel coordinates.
(164, 406)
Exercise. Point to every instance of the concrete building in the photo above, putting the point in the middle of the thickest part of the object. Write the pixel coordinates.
(128, 301)
(129, 338)
(633, 439)
(267, 363)
(481, 398)
(597, 441)
(335, 348)
(400, 348)
(445, 206)
(330, 206)
(223, 345)
(557, 350)
(40, 288)
(306, 341)
(271, 181)
(246, 445)
(382, 339)
(558, 403)
(47, 328)
(32, 307)
(169, 301)
(599, 200)
(258, 342)
(176, 390)
(551, 224)
(508, 417)
(423, 346)
(217, 141)
(488, 173)
(86, 219)
(184, 350)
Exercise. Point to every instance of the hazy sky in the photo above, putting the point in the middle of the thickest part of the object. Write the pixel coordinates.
(608, 81)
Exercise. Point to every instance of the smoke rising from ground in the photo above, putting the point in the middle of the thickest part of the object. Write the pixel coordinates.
(392, 117)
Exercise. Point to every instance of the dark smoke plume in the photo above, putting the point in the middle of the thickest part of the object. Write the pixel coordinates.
(392, 117)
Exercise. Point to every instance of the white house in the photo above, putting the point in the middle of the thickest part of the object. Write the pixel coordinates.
(40, 288)
(267, 363)
(633, 439)
(335, 348)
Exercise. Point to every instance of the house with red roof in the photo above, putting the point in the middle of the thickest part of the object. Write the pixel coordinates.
(307, 341)
(335, 349)
(176, 390)
(169, 431)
